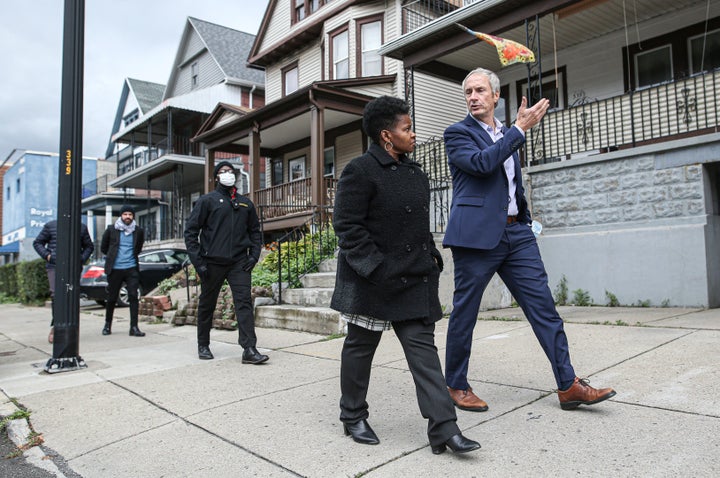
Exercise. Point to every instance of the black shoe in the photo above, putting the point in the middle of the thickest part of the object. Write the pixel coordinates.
(458, 444)
(252, 356)
(204, 353)
(135, 332)
(106, 329)
(361, 432)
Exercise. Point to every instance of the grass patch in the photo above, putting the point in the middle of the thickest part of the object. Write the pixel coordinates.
(502, 319)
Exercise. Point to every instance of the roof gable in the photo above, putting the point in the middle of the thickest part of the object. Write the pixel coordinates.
(227, 47)
(146, 94)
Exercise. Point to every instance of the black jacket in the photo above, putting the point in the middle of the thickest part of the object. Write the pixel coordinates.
(386, 264)
(111, 242)
(45, 244)
(219, 232)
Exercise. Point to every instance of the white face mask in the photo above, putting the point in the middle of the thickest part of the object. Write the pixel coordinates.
(227, 179)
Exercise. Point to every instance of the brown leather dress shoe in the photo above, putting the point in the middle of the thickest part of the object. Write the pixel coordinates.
(580, 393)
(467, 400)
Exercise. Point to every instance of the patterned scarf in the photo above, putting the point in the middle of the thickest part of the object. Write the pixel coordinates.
(128, 228)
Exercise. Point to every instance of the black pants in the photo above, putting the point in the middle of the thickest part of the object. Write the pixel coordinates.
(239, 282)
(131, 278)
(418, 343)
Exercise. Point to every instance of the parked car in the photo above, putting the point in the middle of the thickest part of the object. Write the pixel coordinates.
(155, 265)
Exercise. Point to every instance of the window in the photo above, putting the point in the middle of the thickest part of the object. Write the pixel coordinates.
(7, 193)
(553, 88)
(277, 172)
(290, 79)
(369, 60)
(653, 66)
(296, 168)
(672, 56)
(301, 9)
(340, 64)
(17, 185)
(130, 117)
(329, 162)
(194, 75)
(704, 52)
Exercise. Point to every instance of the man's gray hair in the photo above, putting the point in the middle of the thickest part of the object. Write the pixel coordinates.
(494, 80)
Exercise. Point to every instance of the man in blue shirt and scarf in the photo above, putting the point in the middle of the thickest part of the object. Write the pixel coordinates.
(121, 244)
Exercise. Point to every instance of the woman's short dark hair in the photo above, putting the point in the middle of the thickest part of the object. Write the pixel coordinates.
(382, 113)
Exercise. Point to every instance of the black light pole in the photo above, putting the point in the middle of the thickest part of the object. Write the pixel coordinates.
(66, 355)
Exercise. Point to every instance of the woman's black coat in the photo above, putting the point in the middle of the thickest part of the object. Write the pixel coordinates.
(388, 265)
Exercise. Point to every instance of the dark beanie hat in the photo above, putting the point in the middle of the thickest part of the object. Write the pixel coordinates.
(220, 165)
(127, 208)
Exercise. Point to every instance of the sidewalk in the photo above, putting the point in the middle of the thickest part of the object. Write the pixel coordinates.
(147, 407)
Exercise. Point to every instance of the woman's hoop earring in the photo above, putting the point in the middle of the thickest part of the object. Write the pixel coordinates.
(389, 146)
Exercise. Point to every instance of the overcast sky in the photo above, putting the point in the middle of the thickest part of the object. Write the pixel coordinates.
(123, 38)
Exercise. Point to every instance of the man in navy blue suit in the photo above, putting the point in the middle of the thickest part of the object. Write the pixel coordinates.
(489, 231)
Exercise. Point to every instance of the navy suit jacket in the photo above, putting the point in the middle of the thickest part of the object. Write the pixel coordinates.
(479, 210)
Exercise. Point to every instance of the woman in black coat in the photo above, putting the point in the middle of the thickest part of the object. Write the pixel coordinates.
(388, 273)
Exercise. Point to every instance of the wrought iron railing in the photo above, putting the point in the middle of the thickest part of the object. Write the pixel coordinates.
(300, 251)
(681, 108)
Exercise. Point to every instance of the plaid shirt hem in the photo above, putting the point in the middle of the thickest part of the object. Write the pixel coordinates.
(376, 325)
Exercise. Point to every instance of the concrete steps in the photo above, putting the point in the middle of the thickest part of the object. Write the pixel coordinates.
(306, 309)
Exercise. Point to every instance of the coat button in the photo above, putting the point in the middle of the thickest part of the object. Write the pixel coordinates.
(403, 280)
(425, 279)
(424, 247)
(393, 167)
(408, 208)
(408, 248)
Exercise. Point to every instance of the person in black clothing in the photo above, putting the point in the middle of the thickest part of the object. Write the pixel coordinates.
(222, 236)
(45, 244)
(388, 273)
(121, 244)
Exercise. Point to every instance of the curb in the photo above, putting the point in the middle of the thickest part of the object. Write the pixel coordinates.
(18, 431)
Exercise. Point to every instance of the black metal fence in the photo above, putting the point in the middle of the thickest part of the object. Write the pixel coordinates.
(301, 250)
(681, 108)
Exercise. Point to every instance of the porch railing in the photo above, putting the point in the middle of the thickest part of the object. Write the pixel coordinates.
(416, 13)
(300, 251)
(97, 186)
(180, 145)
(681, 108)
(292, 198)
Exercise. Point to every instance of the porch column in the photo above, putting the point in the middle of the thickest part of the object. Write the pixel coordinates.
(209, 167)
(254, 162)
(108, 215)
(170, 145)
(317, 148)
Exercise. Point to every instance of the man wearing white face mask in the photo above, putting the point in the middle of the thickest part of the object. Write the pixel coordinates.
(222, 236)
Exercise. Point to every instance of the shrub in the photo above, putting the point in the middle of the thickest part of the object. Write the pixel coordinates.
(561, 291)
(612, 300)
(32, 282)
(581, 298)
(8, 280)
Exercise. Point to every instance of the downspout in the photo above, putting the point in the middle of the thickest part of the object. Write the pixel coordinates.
(250, 100)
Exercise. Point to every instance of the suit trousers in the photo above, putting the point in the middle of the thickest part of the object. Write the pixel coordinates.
(418, 343)
(131, 279)
(240, 285)
(517, 261)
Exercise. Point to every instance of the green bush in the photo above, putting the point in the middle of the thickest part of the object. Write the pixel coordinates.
(581, 298)
(32, 283)
(8, 280)
(561, 291)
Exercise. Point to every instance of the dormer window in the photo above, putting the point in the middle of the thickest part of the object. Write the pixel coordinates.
(301, 9)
